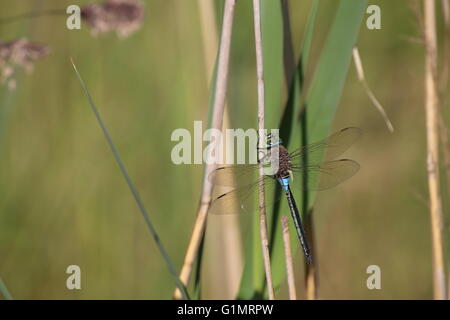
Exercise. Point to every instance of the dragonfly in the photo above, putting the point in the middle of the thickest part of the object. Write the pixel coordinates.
(315, 166)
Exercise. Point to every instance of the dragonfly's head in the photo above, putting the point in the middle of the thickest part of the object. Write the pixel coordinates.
(273, 140)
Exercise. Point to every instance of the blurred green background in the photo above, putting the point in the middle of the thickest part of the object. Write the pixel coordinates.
(63, 200)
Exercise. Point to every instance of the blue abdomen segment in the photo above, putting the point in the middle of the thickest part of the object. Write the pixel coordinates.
(285, 183)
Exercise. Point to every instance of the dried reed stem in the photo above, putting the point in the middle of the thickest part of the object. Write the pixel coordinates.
(444, 97)
(225, 250)
(432, 128)
(262, 205)
(288, 258)
(218, 109)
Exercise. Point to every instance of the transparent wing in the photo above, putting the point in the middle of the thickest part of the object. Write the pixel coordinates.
(325, 175)
(333, 146)
(244, 198)
(235, 175)
(328, 148)
(309, 174)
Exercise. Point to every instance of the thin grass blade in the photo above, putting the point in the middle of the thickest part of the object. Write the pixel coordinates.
(4, 290)
(133, 189)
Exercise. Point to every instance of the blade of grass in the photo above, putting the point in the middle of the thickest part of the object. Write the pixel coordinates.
(4, 290)
(288, 50)
(329, 77)
(133, 189)
(272, 50)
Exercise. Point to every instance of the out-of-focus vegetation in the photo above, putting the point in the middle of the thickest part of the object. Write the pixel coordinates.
(63, 200)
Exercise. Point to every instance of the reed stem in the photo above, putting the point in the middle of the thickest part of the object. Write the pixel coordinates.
(432, 130)
(217, 118)
(225, 250)
(262, 206)
(288, 258)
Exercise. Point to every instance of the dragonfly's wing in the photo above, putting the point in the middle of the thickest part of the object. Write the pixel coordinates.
(313, 177)
(244, 198)
(330, 147)
(325, 175)
(235, 175)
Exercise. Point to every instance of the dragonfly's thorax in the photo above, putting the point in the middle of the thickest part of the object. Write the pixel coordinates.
(284, 163)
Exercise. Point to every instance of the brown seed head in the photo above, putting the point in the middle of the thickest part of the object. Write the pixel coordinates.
(122, 16)
(19, 53)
